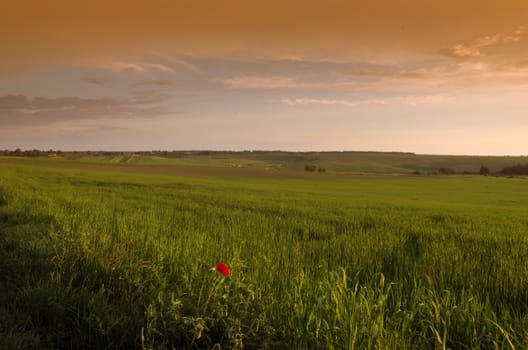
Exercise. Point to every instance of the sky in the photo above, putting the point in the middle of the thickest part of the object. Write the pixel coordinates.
(424, 76)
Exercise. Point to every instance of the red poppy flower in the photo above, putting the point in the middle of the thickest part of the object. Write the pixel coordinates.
(223, 269)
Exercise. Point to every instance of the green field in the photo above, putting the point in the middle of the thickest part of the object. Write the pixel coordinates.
(102, 253)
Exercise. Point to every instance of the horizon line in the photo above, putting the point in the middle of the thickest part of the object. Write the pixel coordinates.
(260, 150)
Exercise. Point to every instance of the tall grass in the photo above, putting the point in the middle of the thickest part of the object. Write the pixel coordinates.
(108, 260)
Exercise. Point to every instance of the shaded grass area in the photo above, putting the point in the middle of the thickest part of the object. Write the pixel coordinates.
(52, 294)
(107, 260)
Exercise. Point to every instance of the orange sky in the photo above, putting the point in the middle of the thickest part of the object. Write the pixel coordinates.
(68, 31)
(348, 57)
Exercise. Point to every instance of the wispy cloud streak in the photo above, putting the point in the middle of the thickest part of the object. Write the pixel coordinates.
(406, 100)
(22, 110)
(94, 80)
(162, 82)
(258, 82)
(474, 49)
(139, 67)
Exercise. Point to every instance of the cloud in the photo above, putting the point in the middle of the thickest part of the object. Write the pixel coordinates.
(406, 100)
(159, 66)
(262, 82)
(120, 66)
(474, 48)
(461, 51)
(23, 110)
(186, 64)
(150, 96)
(523, 64)
(141, 67)
(93, 80)
(389, 74)
(314, 101)
(495, 39)
(163, 82)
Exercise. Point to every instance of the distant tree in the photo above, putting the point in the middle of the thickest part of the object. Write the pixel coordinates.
(515, 170)
(321, 170)
(446, 171)
(484, 170)
(310, 167)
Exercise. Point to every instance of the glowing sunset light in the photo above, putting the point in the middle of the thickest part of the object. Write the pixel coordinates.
(445, 77)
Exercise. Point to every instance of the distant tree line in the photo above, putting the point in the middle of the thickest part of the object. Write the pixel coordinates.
(27, 153)
(313, 168)
(484, 170)
(446, 171)
(518, 169)
(40, 153)
(43, 153)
